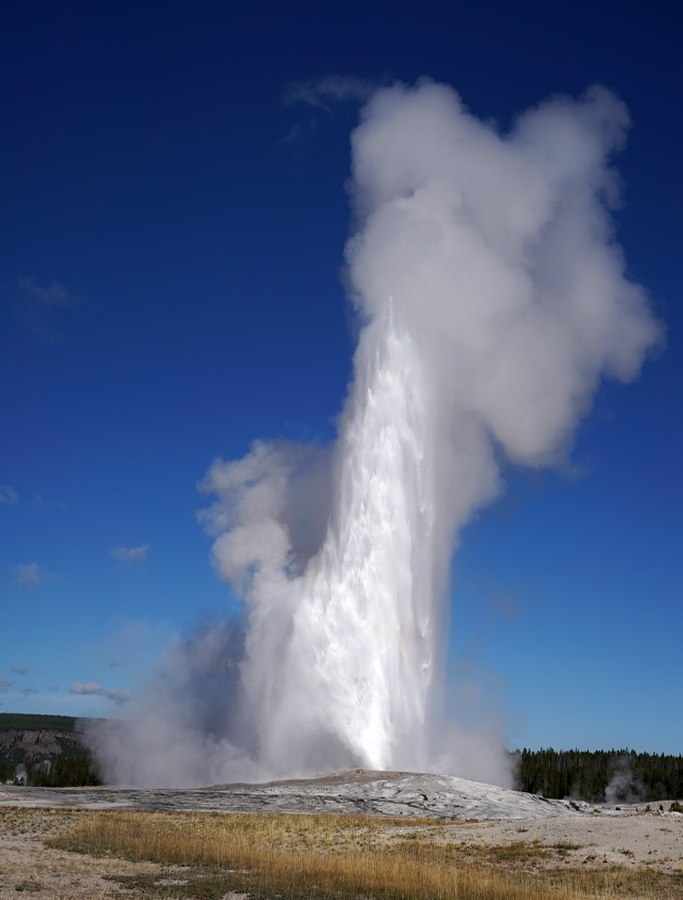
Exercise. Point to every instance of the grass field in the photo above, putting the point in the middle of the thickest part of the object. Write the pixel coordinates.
(304, 856)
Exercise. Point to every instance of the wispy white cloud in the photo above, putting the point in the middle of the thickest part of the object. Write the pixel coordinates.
(27, 691)
(323, 93)
(130, 555)
(27, 575)
(38, 305)
(37, 501)
(8, 494)
(53, 295)
(94, 688)
(5, 685)
(20, 670)
(118, 696)
(86, 687)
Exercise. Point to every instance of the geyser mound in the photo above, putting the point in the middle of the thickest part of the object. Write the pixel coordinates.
(492, 298)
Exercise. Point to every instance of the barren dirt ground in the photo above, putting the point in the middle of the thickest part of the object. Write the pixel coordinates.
(633, 838)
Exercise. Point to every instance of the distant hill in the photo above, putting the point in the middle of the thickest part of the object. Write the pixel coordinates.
(45, 750)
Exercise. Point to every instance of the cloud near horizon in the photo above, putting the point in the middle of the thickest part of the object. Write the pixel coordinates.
(94, 688)
(86, 687)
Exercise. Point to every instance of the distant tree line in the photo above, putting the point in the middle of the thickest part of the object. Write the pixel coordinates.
(60, 771)
(33, 722)
(7, 770)
(63, 771)
(614, 776)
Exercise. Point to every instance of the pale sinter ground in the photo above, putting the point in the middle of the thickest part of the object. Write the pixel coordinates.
(634, 836)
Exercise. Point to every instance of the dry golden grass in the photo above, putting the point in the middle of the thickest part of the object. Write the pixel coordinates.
(28, 867)
(348, 856)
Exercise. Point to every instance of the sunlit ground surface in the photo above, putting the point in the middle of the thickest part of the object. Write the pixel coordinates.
(93, 847)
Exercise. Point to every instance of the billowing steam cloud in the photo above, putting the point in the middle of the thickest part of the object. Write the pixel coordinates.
(492, 299)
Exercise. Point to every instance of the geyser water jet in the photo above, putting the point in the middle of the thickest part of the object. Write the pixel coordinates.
(492, 299)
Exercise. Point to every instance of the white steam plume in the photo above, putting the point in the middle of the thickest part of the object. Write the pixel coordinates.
(492, 298)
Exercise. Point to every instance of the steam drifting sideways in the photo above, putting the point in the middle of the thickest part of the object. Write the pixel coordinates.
(492, 299)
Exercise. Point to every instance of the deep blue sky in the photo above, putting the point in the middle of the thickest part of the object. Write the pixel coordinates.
(171, 239)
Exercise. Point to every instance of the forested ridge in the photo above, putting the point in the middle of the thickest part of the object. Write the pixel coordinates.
(44, 750)
(612, 776)
(34, 722)
(51, 752)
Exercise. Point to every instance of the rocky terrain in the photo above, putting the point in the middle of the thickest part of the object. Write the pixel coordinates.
(356, 791)
(22, 745)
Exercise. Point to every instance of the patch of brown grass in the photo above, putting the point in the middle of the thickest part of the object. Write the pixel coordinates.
(299, 856)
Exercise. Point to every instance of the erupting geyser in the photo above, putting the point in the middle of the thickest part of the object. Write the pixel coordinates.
(492, 299)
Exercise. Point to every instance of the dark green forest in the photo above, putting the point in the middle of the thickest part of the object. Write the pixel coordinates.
(612, 776)
(60, 771)
(64, 771)
(7, 771)
(32, 722)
